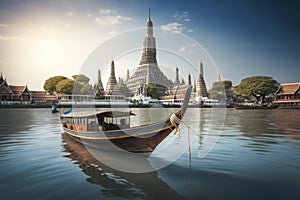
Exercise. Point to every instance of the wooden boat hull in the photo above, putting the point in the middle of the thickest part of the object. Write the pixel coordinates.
(144, 139)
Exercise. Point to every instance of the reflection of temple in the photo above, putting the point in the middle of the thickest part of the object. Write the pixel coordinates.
(148, 71)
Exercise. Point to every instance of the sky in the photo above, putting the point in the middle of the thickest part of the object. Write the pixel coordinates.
(40, 39)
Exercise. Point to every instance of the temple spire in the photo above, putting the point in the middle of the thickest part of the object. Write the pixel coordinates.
(201, 86)
(112, 81)
(149, 28)
(149, 46)
(219, 76)
(148, 70)
(177, 82)
(182, 82)
(99, 86)
(189, 79)
(195, 85)
(201, 69)
(149, 19)
(2, 79)
(127, 78)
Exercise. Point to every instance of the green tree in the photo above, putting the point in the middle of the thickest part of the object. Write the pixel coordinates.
(50, 83)
(85, 88)
(151, 91)
(221, 90)
(257, 86)
(81, 85)
(124, 89)
(65, 86)
(81, 78)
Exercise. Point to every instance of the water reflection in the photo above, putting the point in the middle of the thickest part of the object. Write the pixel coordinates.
(287, 122)
(17, 126)
(209, 124)
(264, 128)
(115, 183)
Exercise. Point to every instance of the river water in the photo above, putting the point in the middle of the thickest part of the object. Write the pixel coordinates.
(250, 154)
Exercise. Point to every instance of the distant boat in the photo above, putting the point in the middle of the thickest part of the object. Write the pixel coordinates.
(54, 108)
(239, 107)
(98, 127)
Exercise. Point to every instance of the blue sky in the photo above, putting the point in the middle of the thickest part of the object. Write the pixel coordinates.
(40, 39)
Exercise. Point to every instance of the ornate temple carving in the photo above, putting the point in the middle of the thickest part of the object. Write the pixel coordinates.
(200, 84)
(148, 71)
(177, 82)
(112, 81)
(99, 86)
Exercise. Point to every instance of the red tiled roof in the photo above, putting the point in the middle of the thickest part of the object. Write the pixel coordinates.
(17, 89)
(183, 86)
(166, 97)
(38, 92)
(42, 95)
(178, 91)
(289, 88)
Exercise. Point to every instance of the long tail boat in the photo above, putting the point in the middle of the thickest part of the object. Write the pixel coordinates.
(95, 127)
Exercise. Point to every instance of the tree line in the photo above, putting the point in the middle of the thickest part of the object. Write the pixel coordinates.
(61, 84)
(257, 87)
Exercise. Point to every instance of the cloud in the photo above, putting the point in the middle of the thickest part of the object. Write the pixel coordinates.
(6, 25)
(111, 19)
(68, 25)
(188, 48)
(112, 33)
(183, 49)
(46, 29)
(43, 28)
(69, 14)
(179, 24)
(175, 27)
(182, 17)
(107, 11)
(10, 38)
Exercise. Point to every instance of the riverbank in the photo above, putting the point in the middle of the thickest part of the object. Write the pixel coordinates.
(69, 106)
(25, 106)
